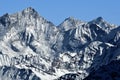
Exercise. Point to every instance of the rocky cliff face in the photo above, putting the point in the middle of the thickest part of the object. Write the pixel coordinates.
(30, 42)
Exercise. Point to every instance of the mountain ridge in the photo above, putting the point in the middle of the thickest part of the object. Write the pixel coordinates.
(28, 41)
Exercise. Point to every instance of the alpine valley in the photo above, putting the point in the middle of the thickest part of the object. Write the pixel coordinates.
(32, 48)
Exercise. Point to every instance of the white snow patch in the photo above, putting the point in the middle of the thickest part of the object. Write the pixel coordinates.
(111, 45)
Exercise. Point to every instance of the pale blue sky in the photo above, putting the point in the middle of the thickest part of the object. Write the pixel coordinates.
(57, 10)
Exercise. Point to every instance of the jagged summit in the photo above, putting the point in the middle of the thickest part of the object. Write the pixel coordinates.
(70, 23)
(29, 10)
(5, 15)
(70, 19)
(5, 19)
(99, 19)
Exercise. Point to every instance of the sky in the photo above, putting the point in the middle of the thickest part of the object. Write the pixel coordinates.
(57, 10)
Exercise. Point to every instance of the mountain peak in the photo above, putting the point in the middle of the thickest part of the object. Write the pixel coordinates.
(70, 23)
(99, 19)
(70, 18)
(29, 9)
(5, 15)
(30, 12)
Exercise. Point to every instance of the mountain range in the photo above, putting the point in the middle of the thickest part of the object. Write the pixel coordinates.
(33, 48)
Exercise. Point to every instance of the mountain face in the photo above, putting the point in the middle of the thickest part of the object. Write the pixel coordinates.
(33, 48)
(110, 71)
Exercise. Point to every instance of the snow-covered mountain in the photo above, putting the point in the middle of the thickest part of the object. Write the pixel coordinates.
(33, 48)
